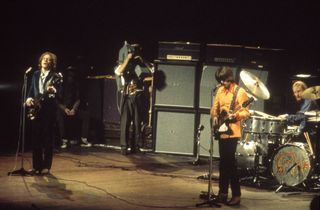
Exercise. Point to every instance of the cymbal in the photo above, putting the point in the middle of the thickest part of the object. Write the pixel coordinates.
(313, 119)
(254, 85)
(313, 113)
(262, 114)
(311, 93)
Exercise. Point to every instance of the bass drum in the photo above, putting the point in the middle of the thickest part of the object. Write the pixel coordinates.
(291, 164)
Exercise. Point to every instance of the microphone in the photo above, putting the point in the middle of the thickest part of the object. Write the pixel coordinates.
(28, 70)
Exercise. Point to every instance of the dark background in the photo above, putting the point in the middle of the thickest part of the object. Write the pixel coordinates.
(93, 32)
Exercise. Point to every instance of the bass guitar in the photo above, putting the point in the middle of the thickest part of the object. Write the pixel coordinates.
(224, 120)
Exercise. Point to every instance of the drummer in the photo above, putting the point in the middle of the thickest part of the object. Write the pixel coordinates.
(305, 105)
(300, 118)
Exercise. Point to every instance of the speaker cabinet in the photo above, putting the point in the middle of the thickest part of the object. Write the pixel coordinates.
(174, 132)
(180, 85)
(206, 137)
(207, 83)
(110, 97)
(263, 76)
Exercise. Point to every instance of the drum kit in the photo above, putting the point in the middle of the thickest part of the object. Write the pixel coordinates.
(269, 147)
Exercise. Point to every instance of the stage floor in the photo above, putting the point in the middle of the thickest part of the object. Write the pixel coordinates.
(101, 178)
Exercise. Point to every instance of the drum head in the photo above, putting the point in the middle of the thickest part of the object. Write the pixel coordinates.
(291, 164)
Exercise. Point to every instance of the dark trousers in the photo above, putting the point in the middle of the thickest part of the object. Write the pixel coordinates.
(69, 125)
(130, 112)
(227, 167)
(43, 138)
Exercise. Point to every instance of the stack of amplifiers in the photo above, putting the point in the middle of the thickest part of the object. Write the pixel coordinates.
(175, 108)
(185, 102)
(175, 105)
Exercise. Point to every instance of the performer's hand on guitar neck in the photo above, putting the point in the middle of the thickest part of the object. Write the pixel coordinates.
(51, 89)
(29, 102)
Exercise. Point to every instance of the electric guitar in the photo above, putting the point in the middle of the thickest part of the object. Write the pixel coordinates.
(33, 110)
(223, 120)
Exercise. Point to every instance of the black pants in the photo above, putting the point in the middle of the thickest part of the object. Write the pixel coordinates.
(227, 167)
(69, 125)
(43, 138)
(130, 112)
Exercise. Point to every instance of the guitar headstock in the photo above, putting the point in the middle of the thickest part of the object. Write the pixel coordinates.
(57, 79)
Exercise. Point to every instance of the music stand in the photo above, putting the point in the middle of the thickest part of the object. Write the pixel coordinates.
(22, 171)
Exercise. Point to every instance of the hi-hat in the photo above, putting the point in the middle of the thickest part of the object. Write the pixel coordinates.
(311, 93)
(254, 84)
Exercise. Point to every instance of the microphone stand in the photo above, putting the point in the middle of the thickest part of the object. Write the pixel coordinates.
(210, 196)
(22, 171)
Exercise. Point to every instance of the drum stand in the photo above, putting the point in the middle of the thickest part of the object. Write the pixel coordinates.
(210, 196)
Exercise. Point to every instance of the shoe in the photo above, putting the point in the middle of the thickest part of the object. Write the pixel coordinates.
(124, 151)
(33, 172)
(222, 198)
(235, 201)
(64, 145)
(135, 150)
(85, 142)
(45, 171)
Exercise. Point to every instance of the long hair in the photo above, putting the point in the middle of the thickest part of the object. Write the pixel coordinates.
(53, 58)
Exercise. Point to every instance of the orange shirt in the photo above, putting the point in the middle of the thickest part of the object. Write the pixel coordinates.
(223, 100)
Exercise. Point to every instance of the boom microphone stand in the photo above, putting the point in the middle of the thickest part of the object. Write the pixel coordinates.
(22, 171)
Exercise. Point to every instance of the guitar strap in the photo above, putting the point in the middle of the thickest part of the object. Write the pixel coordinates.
(233, 102)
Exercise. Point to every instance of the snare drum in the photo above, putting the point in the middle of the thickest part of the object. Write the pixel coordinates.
(292, 163)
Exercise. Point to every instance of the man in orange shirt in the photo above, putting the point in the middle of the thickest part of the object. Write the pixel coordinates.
(229, 98)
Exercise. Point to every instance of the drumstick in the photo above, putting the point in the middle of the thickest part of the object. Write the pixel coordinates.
(306, 135)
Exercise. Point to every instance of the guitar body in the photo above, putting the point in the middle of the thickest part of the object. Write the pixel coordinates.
(33, 111)
(223, 120)
(223, 125)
